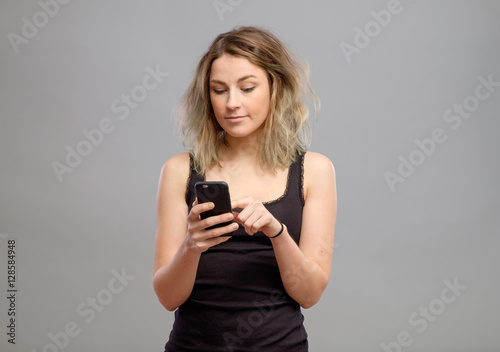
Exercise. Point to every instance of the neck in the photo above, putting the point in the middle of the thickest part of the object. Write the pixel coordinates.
(244, 149)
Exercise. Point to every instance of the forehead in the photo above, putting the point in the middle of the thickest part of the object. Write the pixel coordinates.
(230, 68)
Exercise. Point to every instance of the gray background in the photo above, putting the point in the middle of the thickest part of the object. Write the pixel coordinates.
(394, 249)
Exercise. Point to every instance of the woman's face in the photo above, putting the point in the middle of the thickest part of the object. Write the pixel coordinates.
(240, 95)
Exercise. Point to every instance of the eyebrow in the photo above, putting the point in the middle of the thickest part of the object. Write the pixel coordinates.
(239, 80)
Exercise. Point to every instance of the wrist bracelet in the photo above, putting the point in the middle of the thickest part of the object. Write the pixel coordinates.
(279, 233)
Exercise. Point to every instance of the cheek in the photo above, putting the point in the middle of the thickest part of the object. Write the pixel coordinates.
(216, 106)
(265, 104)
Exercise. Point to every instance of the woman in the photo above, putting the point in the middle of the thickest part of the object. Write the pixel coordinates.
(243, 120)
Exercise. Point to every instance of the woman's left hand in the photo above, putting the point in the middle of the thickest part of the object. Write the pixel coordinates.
(255, 217)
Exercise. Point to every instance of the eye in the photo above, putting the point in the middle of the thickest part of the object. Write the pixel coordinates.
(248, 90)
(218, 91)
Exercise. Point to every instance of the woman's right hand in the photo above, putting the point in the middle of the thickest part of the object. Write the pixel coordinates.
(202, 239)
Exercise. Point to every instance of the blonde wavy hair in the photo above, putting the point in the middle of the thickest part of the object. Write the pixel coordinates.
(286, 132)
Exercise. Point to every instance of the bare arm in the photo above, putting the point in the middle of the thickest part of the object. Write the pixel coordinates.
(180, 236)
(304, 268)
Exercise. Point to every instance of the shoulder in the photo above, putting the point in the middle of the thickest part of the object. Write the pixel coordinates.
(316, 162)
(176, 169)
(177, 161)
(319, 173)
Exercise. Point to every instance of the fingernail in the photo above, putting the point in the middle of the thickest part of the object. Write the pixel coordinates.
(229, 216)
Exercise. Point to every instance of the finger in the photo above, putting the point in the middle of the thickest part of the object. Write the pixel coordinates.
(218, 240)
(248, 226)
(217, 219)
(263, 224)
(255, 222)
(203, 207)
(205, 244)
(245, 213)
(207, 235)
(241, 203)
(200, 208)
(225, 231)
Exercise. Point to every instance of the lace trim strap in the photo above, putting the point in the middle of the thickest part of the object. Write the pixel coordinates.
(301, 185)
(188, 181)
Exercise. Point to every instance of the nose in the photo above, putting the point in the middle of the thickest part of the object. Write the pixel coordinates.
(232, 100)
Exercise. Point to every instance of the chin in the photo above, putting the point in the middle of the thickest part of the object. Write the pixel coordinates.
(240, 133)
(237, 135)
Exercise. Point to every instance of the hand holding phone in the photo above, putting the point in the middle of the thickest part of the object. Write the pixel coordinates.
(216, 192)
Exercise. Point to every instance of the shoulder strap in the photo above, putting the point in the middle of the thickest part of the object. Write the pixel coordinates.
(191, 181)
(296, 182)
(300, 176)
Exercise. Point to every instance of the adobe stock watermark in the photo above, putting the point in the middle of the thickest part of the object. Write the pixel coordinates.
(455, 115)
(31, 26)
(88, 311)
(11, 291)
(364, 35)
(94, 137)
(223, 6)
(424, 316)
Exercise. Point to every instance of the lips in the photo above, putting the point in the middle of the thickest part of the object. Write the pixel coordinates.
(235, 118)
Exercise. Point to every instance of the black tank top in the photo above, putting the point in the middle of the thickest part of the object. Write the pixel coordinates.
(238, 302)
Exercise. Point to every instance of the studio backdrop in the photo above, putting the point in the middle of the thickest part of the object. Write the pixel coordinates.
(410, 101)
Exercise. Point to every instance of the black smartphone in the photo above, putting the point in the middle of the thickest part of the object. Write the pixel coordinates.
(218, 193)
